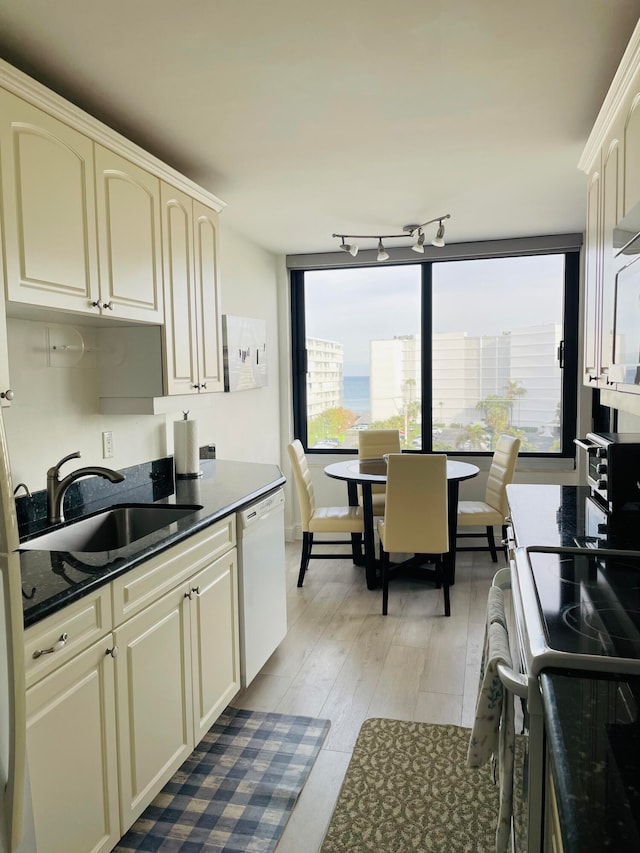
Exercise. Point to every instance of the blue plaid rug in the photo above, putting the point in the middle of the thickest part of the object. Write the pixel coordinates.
(236, 790)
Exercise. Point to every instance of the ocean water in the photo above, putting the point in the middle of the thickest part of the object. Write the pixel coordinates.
(356, 394)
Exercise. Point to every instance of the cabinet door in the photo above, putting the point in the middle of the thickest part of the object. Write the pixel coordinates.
(208, 309)
(593, 274)
(180, 336)
(214, 640)
(71, 749)
(611, 197)
(155, 718)
(128, 214)
(6, 394)
(48, 209)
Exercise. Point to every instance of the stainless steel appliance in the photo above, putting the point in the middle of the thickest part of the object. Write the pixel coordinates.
(613, 468)
(574, 609)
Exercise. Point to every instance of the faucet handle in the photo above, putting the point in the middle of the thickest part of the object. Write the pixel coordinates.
(53, 472)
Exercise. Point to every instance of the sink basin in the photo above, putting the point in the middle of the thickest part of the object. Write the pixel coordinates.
(111, 529)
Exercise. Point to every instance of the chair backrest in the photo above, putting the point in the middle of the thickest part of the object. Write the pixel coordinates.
(503, 466)
(416, 509)
(374, 443)
(304, 484)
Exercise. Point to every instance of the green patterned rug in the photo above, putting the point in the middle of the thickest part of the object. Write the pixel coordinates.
(407, 788)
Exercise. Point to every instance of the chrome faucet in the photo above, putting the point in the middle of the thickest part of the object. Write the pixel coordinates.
(56, 488)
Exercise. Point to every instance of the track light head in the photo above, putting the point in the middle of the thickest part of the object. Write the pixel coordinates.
(418, 246)
(383, 255)
(351, 248)
(438, 240)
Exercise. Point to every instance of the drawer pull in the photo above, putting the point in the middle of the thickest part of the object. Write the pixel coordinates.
(59, 644)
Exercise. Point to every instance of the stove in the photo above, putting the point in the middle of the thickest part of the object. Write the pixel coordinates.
(578, 608)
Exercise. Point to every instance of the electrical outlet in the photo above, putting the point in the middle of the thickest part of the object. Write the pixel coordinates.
(107, 445)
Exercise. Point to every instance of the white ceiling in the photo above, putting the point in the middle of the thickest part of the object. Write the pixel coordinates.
(310, 117)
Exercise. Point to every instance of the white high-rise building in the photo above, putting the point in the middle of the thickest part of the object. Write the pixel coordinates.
(396, 375)
(325, 376)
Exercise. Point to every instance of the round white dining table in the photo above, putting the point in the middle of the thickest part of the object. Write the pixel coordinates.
(369, 472)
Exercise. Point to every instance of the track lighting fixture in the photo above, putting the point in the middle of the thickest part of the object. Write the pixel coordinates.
(407, 231)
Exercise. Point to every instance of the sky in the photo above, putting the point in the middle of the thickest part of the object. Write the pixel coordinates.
(485, 297)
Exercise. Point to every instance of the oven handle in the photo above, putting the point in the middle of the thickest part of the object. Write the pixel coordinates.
(585, 444)
(514, 681)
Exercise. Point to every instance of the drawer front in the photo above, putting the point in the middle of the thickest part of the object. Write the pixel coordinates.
(83, 622)
(140, 587)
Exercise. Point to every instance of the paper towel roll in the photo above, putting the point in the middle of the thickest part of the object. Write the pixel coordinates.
(185, 448)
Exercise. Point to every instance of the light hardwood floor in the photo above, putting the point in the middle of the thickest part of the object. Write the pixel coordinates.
(342, 660)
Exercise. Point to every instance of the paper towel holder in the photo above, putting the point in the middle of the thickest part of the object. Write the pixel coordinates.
(191, 475)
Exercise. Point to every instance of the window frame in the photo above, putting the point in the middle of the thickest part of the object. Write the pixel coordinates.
(570, 339)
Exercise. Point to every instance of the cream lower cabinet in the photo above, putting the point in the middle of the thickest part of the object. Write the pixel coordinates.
(72, 756)
(155, 722)
(122, 685)
(177, 669)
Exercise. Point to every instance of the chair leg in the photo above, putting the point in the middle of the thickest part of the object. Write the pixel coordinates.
(504, 540)
(307, 542)
(492, 544)
(445, 588)
(385, 581)
(356, 547)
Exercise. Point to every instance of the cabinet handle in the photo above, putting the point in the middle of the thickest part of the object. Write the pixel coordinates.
(196, 386)
(204, 386)
(108, 305)
(95, 304)
(59, 644)
(7, 395)
(189, 594)
(195, 589)
(113, 652)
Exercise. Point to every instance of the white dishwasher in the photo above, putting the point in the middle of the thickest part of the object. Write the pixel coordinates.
(262, 584)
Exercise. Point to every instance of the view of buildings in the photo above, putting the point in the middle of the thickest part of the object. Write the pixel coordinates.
(519, 366)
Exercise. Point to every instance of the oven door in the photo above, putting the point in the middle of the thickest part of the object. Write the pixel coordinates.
(528, 773)
(596, 466)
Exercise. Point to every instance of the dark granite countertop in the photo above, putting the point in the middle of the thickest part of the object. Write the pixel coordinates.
(593, 733)
(547, 514)
(52, 579)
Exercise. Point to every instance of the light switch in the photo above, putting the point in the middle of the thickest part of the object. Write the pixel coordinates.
(107, 445)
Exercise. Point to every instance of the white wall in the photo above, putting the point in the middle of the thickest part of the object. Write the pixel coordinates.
(55, 410)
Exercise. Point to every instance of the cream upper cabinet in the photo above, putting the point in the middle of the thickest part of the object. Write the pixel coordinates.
(208, 310)
(48, 209)
(180, 328)
(593, 275)
(71, 750)
(129, 241)
(6, 392)
(192, 330)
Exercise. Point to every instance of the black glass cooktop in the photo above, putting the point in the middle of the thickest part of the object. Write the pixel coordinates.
(590, 602)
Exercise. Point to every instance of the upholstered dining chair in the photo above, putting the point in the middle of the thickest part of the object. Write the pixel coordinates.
(326, 519)
(415, 516)
(373, 444)
(493, 509)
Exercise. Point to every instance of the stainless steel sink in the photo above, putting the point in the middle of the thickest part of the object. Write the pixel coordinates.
(111, 529)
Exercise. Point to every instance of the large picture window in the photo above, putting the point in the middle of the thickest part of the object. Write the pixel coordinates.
(451, 353)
